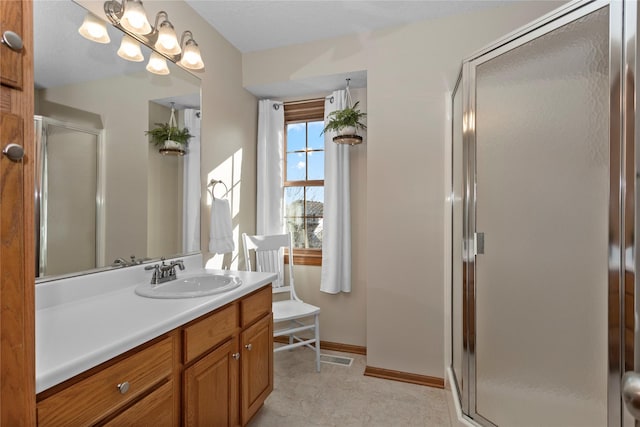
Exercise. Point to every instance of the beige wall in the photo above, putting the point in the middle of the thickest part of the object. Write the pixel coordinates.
(410, 69)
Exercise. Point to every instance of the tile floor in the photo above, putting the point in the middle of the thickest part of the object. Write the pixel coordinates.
(343, 396)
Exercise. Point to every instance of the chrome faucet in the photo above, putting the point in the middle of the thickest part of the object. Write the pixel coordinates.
(164, 272)
(121, 262)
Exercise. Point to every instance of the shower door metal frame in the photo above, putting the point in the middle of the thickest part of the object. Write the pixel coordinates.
(41, 124)
(623, 23)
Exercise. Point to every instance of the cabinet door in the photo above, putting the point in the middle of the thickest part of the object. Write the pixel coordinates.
(17, 343)
(11, 60)
(257, 366)
(156, 409)
(210, 389)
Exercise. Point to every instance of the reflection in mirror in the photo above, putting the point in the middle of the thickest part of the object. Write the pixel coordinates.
(104, 193)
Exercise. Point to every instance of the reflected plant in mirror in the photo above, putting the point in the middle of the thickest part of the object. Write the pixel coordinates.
(103, 193)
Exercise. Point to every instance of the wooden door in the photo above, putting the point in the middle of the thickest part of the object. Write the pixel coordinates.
(17, 354)
(257, 366)
(210, 392)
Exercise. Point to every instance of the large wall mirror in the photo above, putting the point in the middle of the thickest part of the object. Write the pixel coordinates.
(103, 192)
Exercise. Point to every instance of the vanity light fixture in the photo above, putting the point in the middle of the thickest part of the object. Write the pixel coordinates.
(94, 29)
(157, 64)
(130, 17)
(130, 49)
(191, 57)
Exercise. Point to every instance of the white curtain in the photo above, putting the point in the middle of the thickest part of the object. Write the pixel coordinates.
(269, 216)
(336, 233)
(191, 185)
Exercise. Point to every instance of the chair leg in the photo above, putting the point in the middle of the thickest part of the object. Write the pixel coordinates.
(317, 330)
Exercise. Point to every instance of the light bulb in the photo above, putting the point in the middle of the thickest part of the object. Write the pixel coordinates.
(157, 64)
(167, 40)
(191, 58)
(130, 49)
(94, 29)
(134, 18)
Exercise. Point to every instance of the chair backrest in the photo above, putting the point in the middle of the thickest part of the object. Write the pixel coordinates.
(269, 253)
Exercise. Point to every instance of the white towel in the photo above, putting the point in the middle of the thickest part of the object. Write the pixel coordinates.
(220, 233)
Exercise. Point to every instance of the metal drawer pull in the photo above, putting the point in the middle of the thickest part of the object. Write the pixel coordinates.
(236, 356)
(14, 152)
(123, 387)
(248, 347)
(12, 40)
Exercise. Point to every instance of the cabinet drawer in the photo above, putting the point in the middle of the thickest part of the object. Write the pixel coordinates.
(89, 400)
(256, 305)
(156, 409)
(209, 332)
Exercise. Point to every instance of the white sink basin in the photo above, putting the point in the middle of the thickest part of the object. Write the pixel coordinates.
(190, 287)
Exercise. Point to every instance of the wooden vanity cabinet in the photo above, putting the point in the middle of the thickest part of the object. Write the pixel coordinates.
(214, 371)
(140, 381)
(228, 385)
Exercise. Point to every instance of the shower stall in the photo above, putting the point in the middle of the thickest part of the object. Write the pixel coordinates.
(543, 222)
(68, 197)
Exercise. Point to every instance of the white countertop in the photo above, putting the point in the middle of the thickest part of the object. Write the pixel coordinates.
(78, 334)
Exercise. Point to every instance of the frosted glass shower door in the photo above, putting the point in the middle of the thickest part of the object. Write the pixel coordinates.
(542, 204)
(69, 218)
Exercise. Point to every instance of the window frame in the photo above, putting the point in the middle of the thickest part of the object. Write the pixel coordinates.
(311, 110)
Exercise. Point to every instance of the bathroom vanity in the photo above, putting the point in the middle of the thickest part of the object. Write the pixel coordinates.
(116, 358)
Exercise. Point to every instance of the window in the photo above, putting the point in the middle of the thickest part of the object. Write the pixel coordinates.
(304, 178)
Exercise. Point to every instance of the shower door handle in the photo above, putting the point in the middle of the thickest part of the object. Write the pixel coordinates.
(631, 393)
(478, 242)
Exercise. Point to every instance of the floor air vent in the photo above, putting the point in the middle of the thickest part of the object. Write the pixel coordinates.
(336, 360)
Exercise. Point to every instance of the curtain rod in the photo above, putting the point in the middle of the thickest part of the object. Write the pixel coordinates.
(276, 105)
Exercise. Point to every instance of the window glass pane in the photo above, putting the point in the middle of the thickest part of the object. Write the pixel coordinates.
(296, 166)
(294, 201)
(315, 201)
(296, 136)
(295, 226)
(315, 140)
(314, 233)
(316, 164)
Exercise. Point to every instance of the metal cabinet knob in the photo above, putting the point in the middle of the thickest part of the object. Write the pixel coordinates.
(236, 356)
(12, 40)
(631, 393)
(248, 347)
(123, 387)
(14, 152)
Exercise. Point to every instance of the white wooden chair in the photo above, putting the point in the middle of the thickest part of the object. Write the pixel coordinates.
(287, 314)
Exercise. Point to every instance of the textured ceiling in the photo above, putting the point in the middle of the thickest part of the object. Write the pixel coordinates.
(63, 57)
(253, 25)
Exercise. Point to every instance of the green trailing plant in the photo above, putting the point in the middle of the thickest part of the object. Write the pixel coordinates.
(340, 119)
(164, 132)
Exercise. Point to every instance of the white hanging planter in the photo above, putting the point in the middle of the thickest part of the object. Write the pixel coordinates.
(172, 144)
(173, 148)
(349, 130)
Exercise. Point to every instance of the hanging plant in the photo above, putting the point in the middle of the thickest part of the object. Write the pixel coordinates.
(169, 138)
(346, 121)
(165, 132)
